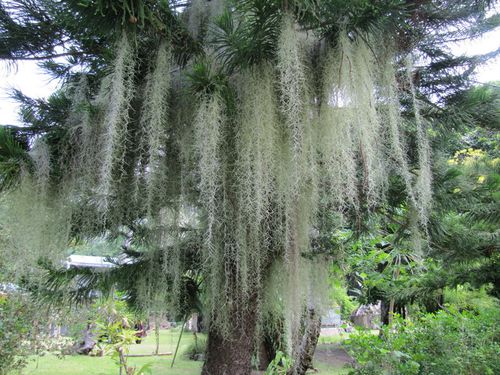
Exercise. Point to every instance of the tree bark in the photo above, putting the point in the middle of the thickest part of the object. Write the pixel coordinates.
(384, 312)
(232, 355)
(307, 346)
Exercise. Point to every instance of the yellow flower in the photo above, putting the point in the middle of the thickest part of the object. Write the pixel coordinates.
(467, 156)
(495, 162)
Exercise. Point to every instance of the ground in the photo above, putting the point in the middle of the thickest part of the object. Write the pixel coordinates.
(329, 359)
(86, 365)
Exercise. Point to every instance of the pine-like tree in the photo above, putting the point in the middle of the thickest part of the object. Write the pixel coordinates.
(246, 121)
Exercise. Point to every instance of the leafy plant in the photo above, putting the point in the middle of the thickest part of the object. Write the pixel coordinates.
(464, 341)
(113, 329)
(280, 364)
(15, 326)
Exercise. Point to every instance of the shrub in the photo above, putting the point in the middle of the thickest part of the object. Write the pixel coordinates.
(448, 342)
(280, 365)
(15, 325)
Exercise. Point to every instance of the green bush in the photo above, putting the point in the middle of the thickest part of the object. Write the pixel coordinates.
(15, 325)
(448, 342)
(465, 297)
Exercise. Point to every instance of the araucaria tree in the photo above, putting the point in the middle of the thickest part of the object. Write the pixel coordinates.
(259, 118)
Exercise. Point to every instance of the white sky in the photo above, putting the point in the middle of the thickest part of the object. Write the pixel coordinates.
(30, 79)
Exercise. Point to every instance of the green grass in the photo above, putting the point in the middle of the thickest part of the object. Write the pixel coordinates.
(326, 369)
(85, 365)
(334, 339)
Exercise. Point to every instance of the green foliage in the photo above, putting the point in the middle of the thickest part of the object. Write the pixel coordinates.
(84, 364)
(481, 104)
(240, 45)
(133, 12)
(466, 217)
(431, 344)
(338, 293)
(15, 331)
(280, 365)
(378, 266)
(466, 298)
(13, 157)
(113, 322)
(284, 112)
(196, 348)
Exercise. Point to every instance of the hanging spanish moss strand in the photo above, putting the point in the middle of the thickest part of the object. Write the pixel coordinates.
(351, 126)
(34, 227)
(293, 106)
(152, 292)
(200, 12)
(292, 86)
(255, 144)
(88, 133)
(40, 155)
(117, 102)
(335, 143)
(78, 128)
(368, 123)
(390, 112)
(154, 122)
(207, 125)
(84, 134)
(423, 184)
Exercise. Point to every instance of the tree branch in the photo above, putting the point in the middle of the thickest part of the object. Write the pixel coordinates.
(39, 58)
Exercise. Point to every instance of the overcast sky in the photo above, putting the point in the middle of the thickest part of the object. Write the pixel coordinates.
(28, 78)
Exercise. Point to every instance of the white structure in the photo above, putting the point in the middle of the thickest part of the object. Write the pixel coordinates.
(332, 318)
(95, 262)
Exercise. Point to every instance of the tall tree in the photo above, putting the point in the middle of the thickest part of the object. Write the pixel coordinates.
(252, 120)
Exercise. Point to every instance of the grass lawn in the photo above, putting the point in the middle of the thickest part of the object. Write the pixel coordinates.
(85, 365)
(327, 369)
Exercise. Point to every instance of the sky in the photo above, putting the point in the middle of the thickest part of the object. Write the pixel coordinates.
(27, 77)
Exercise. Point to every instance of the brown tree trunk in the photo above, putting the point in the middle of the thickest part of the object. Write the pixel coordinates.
(307, 346)
(384, 312)
(264, 357)
(232, 355)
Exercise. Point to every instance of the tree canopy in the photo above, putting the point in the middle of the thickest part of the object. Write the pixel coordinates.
(225, 139)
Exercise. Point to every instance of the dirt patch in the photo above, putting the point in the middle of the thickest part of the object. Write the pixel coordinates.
(326, 356)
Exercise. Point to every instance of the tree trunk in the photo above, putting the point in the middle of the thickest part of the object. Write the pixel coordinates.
(232, 355)
(157, 334)
(264, 357)
(384, 312)
(307, 346)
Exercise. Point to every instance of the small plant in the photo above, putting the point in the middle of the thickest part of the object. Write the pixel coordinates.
(280, 365)
(116, 335)
(197, 348)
